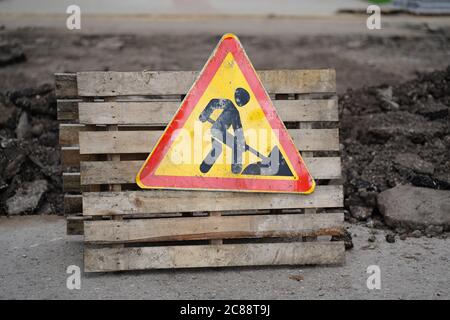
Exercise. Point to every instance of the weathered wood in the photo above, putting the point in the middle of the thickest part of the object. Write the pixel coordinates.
(159, 113)
(107, 172)
(73, 204)
(213, 227)
(74, 225)
(67, 110)
(70, 157)
(71, 182)
(103, 84)
(68, 133)
(144, 141)
(160, 201)
(295, 253)
(66, 85)
(216, 241)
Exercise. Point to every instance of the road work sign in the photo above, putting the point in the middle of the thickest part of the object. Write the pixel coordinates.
(226, 135)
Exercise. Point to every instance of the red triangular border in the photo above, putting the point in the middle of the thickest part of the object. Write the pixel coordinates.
(148, 180)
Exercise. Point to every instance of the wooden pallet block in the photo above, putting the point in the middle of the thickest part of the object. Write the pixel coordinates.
(111, 121)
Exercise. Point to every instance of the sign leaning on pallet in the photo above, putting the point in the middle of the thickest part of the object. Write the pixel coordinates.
(110, 122)
(197, 149)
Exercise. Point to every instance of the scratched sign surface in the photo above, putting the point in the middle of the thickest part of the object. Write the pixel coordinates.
(226, 135)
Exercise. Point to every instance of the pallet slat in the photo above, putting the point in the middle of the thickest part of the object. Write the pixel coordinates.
(66, 85)
(161, 201)
(73, 203)
(67, 110)
(74, 225)
(68, 133)
(297, 253)
(213, 227)
(99, 142)
(106, 172)
(161, 112)
(71, 182)
(105, 84)
(70, 156)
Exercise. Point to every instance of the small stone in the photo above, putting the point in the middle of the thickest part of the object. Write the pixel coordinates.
(414, 162)
(390, 238)
(372, 238)
(433, 231)
(297, 277)
(27, 197)
(370, 223)
(23, 127)
(403, 236)
(360, 213)
(37, 129)
(411, 207)
(416, 234)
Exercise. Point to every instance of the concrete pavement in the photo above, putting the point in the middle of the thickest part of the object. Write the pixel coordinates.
(36, 252)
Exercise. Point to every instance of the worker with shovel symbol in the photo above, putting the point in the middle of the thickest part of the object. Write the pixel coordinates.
(229, 117)
(272, 165)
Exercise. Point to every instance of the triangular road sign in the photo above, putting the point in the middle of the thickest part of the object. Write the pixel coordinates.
(226, 135)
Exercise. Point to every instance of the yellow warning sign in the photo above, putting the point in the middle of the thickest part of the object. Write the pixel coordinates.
(226, 135)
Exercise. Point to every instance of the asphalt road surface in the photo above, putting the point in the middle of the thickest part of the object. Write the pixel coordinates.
(36, 253)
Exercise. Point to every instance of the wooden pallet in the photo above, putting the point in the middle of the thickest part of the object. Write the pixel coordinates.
(110, 121)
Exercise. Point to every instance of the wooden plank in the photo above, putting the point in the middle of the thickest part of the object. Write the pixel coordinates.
(294, 253)
(68, 133)
(67, 110)
(161, 201)
(161, 112)
(74, 225)
(73, 203)
(108, 172)
(71, 182)
(213, 227)
(70, 156)
(144, 141)
(66, 85)
(104, 84)
(215, 240)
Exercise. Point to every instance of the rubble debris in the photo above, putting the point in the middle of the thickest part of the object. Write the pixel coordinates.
(23, 130)
(390, 238)
(360, 213)
(414, 162)
(434, 231)
(10, 53)
(415, 207)
(29, 152)
(395, 135)
(297, 277)
(346, 237)
(27, 197)
(416, 234)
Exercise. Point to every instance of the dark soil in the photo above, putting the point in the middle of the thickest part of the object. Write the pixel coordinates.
(391, 134)
(397, 138)
(29, 148)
